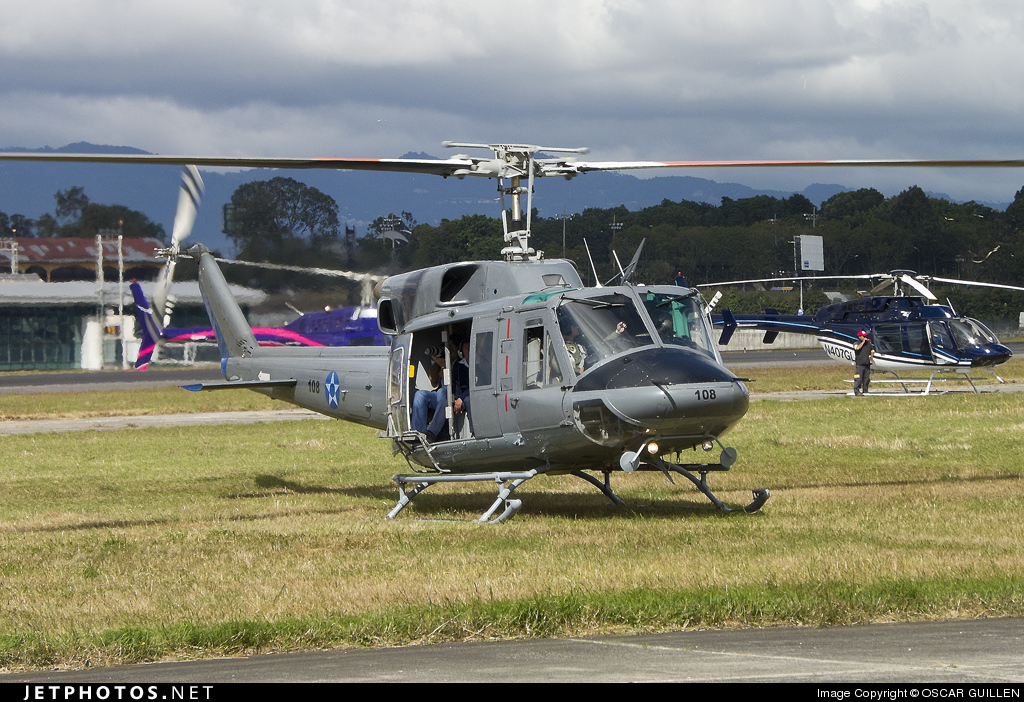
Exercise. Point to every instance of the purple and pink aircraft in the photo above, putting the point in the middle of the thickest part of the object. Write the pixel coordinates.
(345, 326)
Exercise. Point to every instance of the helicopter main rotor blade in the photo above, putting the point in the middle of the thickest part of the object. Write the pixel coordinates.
(189, 198)
(442, 167)
(918, 286)
(808, 278)
(461, 166)
(975, 282)
(585, 166)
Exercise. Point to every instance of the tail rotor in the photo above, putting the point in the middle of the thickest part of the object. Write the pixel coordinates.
(189, 197)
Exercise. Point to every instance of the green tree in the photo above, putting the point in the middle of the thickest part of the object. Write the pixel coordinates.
(75, 216)
(470, 238)
(1015, 211)
(282, 220)
(852, 207)
(70, 204)
(16, 225)
(129, 223)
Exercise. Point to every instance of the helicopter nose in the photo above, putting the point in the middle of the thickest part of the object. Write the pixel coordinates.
(673, 391)
(989, 355)
(675, 365)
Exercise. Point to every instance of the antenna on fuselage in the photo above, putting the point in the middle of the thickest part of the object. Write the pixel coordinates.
(597, 281)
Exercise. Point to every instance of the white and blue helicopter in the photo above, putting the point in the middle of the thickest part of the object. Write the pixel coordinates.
(909, 332)
(541, 375)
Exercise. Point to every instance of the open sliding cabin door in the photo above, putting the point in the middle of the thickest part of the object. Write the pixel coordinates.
(401, 385)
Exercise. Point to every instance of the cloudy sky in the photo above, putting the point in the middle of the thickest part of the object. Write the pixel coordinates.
(630, 79)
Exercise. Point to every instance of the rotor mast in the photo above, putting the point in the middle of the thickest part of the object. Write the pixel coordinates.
(516, 161)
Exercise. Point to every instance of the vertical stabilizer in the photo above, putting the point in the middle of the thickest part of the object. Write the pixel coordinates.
(148, 326)
(234, 335)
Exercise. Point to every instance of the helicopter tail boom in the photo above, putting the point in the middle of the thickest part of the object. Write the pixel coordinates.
(234, 335)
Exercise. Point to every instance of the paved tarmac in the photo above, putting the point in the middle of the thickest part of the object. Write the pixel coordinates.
(981, 651)
(84, 381)
(53, 426)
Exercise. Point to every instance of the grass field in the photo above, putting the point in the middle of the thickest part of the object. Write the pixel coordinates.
(147, 544)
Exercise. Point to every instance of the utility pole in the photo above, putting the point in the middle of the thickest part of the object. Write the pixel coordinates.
(564, 217)
(12, 246)
(111, 234)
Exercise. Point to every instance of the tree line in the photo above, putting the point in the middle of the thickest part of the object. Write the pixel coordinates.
(863, 232)
(282, 220)
(75, 216)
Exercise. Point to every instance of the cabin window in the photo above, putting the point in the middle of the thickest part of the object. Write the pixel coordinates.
(888, 338)
(552, 369)
(970, 332)
(484, 359)
(397, 375)
(540, 365)
(917, 340)
(940, 336)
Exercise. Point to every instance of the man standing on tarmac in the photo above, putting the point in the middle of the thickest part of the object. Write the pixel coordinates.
(864, 351)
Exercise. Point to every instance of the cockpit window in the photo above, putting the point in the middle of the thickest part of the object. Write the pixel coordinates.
(594, 328)
(970, 332)
(678, 319)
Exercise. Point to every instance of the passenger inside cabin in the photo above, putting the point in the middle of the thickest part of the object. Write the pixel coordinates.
(426, 402)
(438, 428)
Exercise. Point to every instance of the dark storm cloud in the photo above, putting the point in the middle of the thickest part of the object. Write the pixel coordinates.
(629, 79)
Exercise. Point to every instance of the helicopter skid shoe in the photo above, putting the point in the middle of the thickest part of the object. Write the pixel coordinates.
(422, 482)
(511, 507)
(687, 471)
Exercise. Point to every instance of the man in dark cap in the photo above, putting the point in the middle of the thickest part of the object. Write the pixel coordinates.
(863, 351)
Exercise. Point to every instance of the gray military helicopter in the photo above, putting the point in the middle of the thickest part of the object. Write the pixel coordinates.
(542, 375)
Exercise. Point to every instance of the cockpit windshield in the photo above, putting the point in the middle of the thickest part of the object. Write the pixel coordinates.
(969, 332)
(677, 317)
(594, 328)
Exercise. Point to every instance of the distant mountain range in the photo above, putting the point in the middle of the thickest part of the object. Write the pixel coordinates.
(362, 196)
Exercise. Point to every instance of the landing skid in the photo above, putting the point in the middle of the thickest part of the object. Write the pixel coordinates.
(687, 471)
(928, 383)
(507, 482)
(421, 482)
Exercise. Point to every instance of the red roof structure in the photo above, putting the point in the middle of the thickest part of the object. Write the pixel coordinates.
(74, 258)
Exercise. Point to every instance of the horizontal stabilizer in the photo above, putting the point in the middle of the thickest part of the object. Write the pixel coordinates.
(245, 384)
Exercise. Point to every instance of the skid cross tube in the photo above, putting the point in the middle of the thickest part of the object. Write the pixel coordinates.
(422, 482)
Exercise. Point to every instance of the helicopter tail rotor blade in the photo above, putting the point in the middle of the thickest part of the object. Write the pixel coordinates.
(189, 197)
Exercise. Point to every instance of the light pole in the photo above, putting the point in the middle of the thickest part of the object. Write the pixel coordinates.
(564, 217)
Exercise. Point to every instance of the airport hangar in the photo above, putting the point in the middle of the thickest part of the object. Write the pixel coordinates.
(55, 313)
